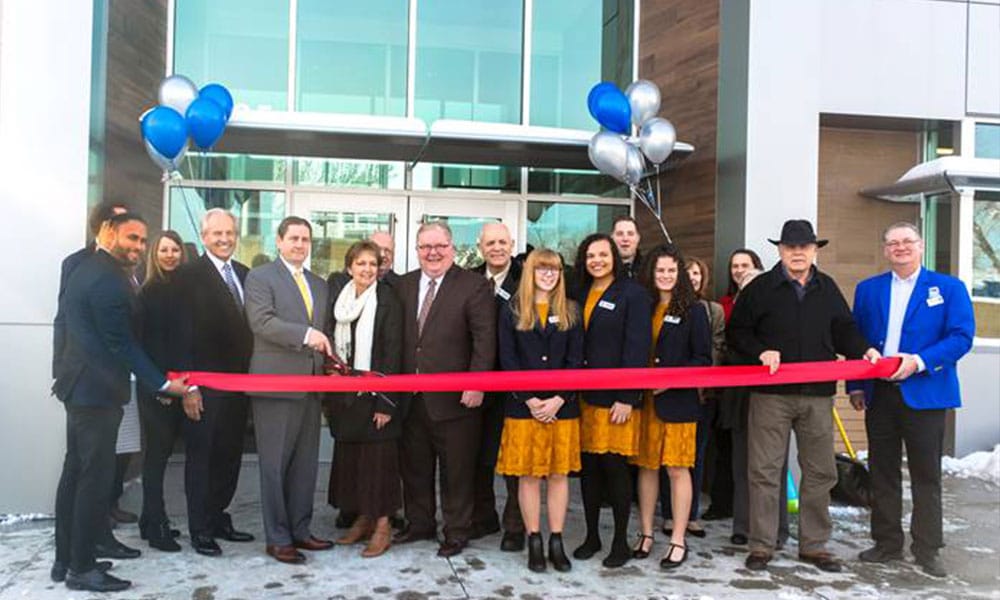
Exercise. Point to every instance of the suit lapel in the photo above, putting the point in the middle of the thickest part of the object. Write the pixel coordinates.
(884, 291)
(285, 275)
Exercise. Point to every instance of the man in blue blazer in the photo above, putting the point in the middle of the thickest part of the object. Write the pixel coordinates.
(926, 319)
(99, 352)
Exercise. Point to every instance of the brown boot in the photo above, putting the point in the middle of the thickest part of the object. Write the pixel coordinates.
(360, 530)
(381, 539)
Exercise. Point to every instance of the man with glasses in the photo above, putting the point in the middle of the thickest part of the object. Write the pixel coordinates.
(449, 325)
(926, 319)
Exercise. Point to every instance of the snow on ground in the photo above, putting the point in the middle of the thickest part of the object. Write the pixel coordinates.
(13, 519)
(978, 465)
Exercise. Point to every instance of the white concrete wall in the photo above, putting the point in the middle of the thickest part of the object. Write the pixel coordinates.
(977, 423)
(983, 88)
(44, 117)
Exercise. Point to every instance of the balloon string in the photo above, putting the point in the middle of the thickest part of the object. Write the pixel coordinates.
(663, 228)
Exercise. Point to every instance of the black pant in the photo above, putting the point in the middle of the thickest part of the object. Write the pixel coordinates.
(891, 423)
(83, 495)
(606, 476)
(484, 512)
(213, 456)
(721, 489)
(161, 424)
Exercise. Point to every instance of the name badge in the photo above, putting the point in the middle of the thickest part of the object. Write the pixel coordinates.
(554, 319)
(503, 293)
(672, 319)
(606, 305)
(934, 296)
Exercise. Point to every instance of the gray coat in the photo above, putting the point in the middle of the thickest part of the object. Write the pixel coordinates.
(278, 319)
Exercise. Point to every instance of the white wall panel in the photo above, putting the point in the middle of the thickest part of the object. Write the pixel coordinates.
(984, 60)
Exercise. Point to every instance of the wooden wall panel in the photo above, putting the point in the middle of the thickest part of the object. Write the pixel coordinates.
(679, 51)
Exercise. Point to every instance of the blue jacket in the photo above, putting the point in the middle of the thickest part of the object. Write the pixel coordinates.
(940, 332)
(619, 336)
(544, 347)
(683, 342)
(100, 346)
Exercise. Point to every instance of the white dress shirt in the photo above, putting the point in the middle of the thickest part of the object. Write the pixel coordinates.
(899, 298)
(499, 278)
(219, 264)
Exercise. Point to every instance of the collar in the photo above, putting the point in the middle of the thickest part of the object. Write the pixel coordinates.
(785, 277)
(218, 262)
(290, 267)
(425, 278)
(501, 275)
(909, 280)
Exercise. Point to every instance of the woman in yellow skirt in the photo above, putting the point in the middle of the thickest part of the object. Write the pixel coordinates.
(616, 323)
(682, 338)
(541, 329)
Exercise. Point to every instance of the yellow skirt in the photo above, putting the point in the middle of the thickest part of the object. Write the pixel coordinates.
(664, 444)
(530, 447)
(598, 435)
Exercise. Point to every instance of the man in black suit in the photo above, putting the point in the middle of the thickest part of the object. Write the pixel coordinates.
(496, 247)
(386, 243)
(215, 337)
(98, 354)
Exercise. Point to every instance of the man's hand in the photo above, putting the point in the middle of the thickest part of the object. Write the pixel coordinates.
(771, 359)
(176, 387)
(872, 355)
(908, 366)
(318, 341)
(381, 420)
(620, 412)
(858, 399)
(471, 399)
(193, 406)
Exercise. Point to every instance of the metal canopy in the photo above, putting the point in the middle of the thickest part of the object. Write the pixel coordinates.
(365, 137)
(942, 175)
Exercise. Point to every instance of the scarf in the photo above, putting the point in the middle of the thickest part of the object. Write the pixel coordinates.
(350, 308)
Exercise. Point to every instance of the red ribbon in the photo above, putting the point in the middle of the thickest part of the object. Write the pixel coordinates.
(562, 379)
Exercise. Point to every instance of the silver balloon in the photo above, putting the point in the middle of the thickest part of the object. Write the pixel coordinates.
(657, 138)
(177, 92)
(635, 166)
(644, 99)
(608, 152)
(167, 165)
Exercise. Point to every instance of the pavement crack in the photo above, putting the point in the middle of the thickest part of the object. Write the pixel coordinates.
(458, 577)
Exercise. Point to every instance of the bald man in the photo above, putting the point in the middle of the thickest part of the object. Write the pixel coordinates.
(387, 245)
(496, 247)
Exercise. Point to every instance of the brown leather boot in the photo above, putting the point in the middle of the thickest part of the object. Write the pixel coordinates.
(381, 539)
(360, 530)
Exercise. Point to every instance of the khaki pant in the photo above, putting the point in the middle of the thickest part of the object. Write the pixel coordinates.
(771, 418)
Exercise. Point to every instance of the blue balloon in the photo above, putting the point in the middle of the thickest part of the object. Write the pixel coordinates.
(206, 121)
(614, 112)
(220, 95)
(165, 129)
(597, 91)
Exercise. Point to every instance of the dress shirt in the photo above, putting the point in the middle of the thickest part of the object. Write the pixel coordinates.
(899, 299)
(219, 263)
(425, 281)
(499, 278)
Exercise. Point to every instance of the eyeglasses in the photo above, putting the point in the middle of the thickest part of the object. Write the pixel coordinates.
(435, 247)
(547, 270)
(900, 243)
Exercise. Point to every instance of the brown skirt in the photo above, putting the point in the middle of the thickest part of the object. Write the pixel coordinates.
(364, 478)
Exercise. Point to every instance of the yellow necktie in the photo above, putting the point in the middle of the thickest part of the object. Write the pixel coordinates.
(301, 282)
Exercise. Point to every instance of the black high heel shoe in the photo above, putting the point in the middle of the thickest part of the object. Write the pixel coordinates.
(557, 555)
(638, 551)
(536, 554)
(668, 564)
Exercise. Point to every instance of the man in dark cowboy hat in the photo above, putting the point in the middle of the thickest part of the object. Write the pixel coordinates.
(793, 313)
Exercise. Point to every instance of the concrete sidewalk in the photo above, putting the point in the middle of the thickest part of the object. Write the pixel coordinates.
(413, 572)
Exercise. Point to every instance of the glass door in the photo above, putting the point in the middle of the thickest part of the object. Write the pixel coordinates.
(339, 220)
(465, 216)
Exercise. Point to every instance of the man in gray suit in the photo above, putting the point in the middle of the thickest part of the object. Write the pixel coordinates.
(287, 309)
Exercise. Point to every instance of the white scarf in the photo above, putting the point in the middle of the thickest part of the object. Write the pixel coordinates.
(349, 308)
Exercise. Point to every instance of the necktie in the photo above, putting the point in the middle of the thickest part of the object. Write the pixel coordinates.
(493, 284)
(300, 280)
(227, 274)
(425, 308)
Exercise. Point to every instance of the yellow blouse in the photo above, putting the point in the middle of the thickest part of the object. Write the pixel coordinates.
(543, 313)
(593, 296)
(658, 315)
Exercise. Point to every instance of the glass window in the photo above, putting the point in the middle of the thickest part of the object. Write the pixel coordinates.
(234, 167)
(464, 235)
(351, 57)
(937, 232)
(349, 174)
(561, 226)
(988, 140)
(986, 245)
(258, 212)
(428, 176)
(335, 231)
(572, 182)
(469, 60)
(242, 44)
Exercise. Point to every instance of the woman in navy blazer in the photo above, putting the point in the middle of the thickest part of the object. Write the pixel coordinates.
(539, 329)
(670, 416)
(616, 321)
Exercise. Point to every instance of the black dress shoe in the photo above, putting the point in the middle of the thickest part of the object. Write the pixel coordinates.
(536, 553)
(225, 531)
(880, 554)
(713, 514)
(161, 537)
(698, 533)
(59, 570)
(512, 541)
(757, 561)
(739, 539)
(587, 549)
(412, 535)
(617, 557)
(145, 528)
(449, 548)
(824, 561)
(557, 555)
(96, 580)
(931, 565)
(666, 563)
(114, 549)
(205, 545)
(481, 530)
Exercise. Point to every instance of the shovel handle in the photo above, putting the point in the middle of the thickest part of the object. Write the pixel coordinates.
(843, 434)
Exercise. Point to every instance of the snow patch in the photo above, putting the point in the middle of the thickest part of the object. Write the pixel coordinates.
(980, 550)
(978, 465)
(14, 519)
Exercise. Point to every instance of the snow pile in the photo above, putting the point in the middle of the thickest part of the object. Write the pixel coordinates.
(6, 519)
(978, 465)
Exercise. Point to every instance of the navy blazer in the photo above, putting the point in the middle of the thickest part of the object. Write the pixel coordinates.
(683, 342)
(619, 336)
(69, 264)
(938, 326)
(544, 347)
(100, 346)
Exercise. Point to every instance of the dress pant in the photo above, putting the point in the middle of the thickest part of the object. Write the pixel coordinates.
(213, 450)
(287, 433)
(161, 424)
(484, 513)
(84, 491)
(771, 418)
(454, 444)
(890, 424)
(721, 489)
(741, 488)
